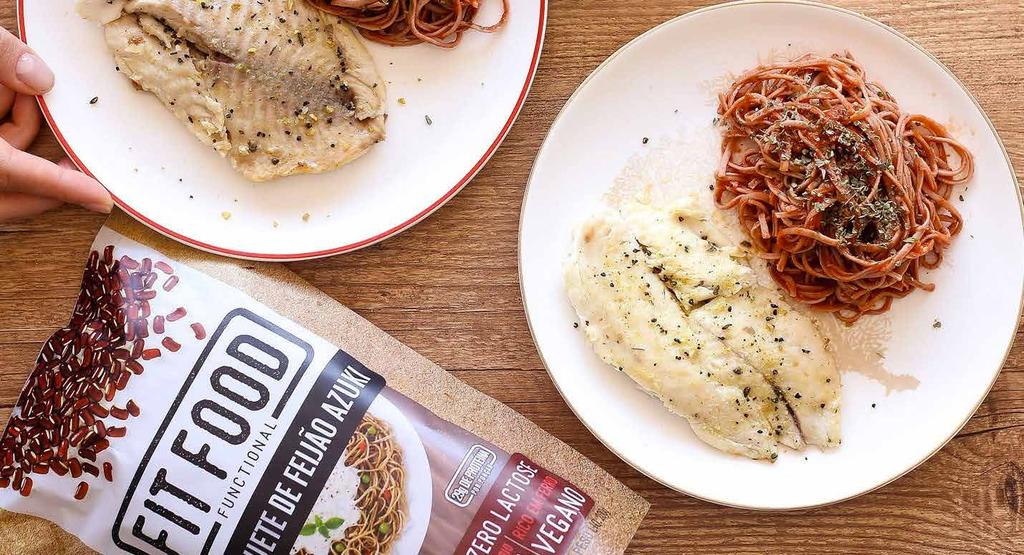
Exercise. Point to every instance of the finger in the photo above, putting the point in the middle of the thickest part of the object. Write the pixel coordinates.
(21, 69)
(106, 203)
(24, 124)
(6, 100)
(21, 172)
(18, 205)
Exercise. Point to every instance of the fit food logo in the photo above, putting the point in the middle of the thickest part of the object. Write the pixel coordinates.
(203, 459)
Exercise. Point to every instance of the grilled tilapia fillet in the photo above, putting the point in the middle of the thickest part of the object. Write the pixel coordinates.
(636, 325)
(721, 295)
(273, 85)
(662, 297)
(786, 347)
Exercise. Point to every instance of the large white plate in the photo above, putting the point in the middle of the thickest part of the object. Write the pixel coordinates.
(679, 66)
(165, 178)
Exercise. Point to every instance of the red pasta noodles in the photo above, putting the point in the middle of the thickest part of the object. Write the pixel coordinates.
(846, 195)
(407, 22)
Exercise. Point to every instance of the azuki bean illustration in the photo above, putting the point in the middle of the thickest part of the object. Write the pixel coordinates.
(70, 408)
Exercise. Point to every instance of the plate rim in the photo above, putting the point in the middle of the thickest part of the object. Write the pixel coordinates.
(607, 61)
(181, 237)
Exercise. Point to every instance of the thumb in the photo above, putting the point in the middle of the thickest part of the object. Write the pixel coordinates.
(21, 69)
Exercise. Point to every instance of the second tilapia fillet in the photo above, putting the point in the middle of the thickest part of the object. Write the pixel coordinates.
(663, 298)
(274, 86)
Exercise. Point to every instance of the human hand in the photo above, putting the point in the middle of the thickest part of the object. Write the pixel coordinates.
(30, 185)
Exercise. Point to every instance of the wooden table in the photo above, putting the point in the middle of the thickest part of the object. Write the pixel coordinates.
(449, 289)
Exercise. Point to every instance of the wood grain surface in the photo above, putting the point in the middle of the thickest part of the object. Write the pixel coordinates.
(449, 289)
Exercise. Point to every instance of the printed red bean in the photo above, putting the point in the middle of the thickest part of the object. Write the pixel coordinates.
(150, 354)
(129, 263)
(26, 488)
(90, 468)
(75, 467)
(199, 331)
(170, 344)
(134, 366)
(170, 283)
(59, 468)
(133, 408)
(163, 267)
(81, 491)
(79, 436)
(94, 394)
(158, 325)
(178, 314)
(108, 471)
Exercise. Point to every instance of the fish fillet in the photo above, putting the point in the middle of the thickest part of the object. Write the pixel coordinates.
(274, 86)
(754, 321)
(663, 297)
(785, 346)
(636, 325)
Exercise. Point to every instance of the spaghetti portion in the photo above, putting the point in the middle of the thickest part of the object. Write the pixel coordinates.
(380, 496)
(843, 193)
(408, 22)
(374, 452)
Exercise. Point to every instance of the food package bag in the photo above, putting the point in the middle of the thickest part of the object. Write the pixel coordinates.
(196, 405)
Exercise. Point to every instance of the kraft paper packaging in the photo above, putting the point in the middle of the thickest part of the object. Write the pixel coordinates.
(197, 405)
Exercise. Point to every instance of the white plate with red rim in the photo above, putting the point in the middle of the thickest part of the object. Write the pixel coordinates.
(668, 79)
(160, 174)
